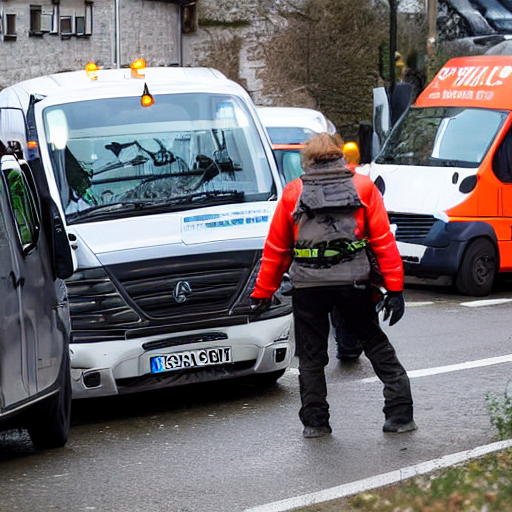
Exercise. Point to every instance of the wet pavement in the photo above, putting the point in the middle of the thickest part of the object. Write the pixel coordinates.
(230, 446)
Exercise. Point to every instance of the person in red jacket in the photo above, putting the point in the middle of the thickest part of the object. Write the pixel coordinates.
(325, 227)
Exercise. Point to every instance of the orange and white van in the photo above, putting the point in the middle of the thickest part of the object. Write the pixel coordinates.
(445, 172)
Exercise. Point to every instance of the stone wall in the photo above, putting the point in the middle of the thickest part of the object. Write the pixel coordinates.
(232, 35)
(149, 29)
(321, 54)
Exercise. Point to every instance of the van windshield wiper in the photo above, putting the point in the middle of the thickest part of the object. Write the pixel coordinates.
(166, 204)
(102, 209)
(229, 196)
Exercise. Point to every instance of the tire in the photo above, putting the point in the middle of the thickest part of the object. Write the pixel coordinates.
(477, 269)
(49, 422)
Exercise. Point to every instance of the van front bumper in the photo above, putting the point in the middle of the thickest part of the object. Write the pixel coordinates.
(440, 252)
(124, 366)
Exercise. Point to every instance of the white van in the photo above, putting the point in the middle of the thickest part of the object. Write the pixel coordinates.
(288, 129)
(167, 182)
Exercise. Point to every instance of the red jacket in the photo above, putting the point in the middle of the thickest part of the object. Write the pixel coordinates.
(372, 223)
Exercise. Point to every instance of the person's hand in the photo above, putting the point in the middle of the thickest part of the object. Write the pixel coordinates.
(259, 306)
(393, 305)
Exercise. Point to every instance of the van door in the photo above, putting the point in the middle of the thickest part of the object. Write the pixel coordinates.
(36, 281)
(17, 370)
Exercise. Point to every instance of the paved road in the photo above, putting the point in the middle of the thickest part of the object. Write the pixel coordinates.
(225, 448)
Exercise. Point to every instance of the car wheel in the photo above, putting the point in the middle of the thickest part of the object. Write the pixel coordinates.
(478, 268)
(49, 422)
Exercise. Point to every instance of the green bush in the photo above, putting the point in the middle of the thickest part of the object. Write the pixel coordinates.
(500, 410)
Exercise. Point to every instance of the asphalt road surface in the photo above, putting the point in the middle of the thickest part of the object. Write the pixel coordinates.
(232, 446)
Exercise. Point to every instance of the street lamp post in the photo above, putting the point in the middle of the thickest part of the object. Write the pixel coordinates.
(432, 20)
(117, 34)
(392, 43)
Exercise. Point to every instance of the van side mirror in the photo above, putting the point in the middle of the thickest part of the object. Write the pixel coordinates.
(61, 251)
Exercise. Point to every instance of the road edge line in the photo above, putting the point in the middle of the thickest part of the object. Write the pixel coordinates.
(393, 477)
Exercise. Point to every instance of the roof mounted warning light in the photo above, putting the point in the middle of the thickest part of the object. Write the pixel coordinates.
(92, 71)
(146, 100)
(138, 68)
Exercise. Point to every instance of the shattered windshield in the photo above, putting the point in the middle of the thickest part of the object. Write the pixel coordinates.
(115, 157)
(442, 136)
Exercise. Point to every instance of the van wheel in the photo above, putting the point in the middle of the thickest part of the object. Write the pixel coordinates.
(477, 269)
(49, 422)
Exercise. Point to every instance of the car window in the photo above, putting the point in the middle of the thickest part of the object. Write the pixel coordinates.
(23, 207)
(289, 134)
(291, 165)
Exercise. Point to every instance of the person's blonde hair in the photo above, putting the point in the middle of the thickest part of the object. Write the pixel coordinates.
(321, 148)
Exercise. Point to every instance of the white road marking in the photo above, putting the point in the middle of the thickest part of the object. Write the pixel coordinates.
(486, 302)
(425, 372)
(377, 481)
(417, 304)
(452, 367)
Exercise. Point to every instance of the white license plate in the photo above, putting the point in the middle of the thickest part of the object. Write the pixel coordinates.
(191, 359)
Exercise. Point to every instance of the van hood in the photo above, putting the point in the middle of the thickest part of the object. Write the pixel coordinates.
(219, 229)
(422, 190)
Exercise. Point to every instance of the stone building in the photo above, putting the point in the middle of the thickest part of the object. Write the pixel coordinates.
(38, 37)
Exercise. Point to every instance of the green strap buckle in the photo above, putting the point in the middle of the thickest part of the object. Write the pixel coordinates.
(349, 248)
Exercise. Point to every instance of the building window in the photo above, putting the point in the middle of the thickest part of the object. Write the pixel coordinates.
(10, 27)
(189, 17)
(35, 19)
(39, 22)
(66, 26)
(80, 25)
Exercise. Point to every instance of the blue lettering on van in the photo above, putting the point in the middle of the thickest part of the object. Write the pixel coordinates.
(223, 220)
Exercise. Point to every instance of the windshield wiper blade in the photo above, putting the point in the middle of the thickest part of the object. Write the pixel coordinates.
(102, 209)
(216, 196)
(199, 197)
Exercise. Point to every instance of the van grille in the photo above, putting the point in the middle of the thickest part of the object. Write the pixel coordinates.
(194, 286)
(411, 228)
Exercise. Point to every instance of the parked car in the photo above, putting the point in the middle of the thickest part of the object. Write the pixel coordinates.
(288, 129)
(35, 385)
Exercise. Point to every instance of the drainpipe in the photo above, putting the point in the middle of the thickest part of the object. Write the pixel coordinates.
(180, 35)
(117, 34)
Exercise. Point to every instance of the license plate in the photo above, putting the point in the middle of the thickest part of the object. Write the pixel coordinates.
(191, 359)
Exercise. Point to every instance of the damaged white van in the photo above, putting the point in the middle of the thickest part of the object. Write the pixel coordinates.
(167, 183)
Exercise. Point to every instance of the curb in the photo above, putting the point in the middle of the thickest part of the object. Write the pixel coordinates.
(374, 482)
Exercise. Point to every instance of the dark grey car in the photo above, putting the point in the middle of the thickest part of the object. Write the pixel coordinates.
(35, 388)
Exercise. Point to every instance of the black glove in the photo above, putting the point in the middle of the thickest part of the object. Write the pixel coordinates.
(392, 304)
(259, 306)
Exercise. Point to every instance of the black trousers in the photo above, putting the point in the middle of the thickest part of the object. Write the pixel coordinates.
(311, 307)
